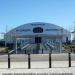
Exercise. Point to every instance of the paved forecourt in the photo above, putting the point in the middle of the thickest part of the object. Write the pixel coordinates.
(39, 64)
(40, 67)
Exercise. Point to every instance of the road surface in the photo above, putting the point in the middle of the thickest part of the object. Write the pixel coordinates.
(36, 57)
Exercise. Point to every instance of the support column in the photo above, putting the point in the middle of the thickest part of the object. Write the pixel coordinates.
(21, 43)
(16, 45)
(37, 48)
(60, 44)
(42, 50)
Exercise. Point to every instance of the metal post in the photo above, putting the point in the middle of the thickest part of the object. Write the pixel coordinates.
(29, 62)
(16, 45)
(49, 60)
(69, 59)
(61, 39)
(8, 60)
(60, 45)
(21, 43)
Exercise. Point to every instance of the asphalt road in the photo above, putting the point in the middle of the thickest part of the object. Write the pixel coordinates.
(36, 57)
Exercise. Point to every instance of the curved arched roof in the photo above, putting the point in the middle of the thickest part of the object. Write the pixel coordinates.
(27, 29)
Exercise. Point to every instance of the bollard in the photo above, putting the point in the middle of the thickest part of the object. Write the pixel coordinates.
(69, 59)
(49, 60)
(8, 60)
(29, 64)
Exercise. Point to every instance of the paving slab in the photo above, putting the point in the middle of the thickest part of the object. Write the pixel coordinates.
(37, 68)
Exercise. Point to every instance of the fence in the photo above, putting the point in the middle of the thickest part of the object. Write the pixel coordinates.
(29, 60)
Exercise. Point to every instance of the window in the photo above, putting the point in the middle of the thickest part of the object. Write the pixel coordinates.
(38, 30)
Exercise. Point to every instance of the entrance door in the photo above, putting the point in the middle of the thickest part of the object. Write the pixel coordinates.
(38, 40)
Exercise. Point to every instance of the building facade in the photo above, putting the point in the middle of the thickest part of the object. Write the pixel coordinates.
(38, 36)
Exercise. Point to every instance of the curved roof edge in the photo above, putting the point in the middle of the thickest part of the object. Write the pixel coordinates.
(37, 23)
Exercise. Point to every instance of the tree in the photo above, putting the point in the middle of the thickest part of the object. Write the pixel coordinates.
(69, 47)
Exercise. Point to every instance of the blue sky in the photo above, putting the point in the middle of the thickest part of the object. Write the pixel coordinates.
(17, 12)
